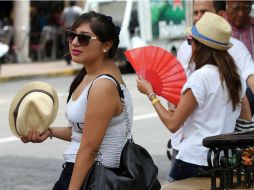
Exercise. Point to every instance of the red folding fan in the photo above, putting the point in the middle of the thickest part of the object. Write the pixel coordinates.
(160, 68)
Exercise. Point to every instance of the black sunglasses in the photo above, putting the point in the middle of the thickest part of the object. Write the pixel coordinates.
(83, 39)
(189, 40)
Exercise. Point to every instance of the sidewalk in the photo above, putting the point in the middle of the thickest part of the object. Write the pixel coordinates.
(39, 69)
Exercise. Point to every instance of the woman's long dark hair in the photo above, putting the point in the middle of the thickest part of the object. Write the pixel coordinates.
(103, 27)
(223, 60)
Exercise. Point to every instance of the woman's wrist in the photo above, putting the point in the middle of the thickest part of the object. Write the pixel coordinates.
(151, 96)
(155, 100)
(50, 133)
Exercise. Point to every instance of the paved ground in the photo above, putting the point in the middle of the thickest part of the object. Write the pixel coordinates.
(18, 71)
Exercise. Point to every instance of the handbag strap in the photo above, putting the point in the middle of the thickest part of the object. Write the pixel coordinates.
(120, 91)
(126, 115)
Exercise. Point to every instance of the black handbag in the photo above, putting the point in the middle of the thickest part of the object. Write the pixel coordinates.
(137, 170)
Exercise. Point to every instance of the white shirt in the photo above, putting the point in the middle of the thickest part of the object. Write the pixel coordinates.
(213, 115)
(115, 137)
(241, 57)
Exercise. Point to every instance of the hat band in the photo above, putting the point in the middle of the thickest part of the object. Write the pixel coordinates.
(195, 32)
(15, 112)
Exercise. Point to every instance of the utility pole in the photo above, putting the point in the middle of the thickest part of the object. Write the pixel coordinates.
(21, 14)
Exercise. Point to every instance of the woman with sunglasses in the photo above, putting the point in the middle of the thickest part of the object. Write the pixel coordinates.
(211, 99)
(94, 109)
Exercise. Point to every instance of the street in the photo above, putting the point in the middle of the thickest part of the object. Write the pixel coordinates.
(38, 166)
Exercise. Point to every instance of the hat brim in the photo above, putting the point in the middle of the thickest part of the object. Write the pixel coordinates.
(208, 43)
(28, 87)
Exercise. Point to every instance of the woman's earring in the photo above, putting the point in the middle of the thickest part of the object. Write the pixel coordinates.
(104, 50)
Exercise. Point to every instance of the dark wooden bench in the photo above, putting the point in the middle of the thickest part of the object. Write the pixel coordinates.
(231, 172)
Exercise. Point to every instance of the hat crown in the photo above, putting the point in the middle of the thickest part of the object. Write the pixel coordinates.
(214, 27)
(35, 112)
(213, 31)
(34, 107)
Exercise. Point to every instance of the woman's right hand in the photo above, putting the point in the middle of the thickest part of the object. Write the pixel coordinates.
(144, 86)
(35, 137)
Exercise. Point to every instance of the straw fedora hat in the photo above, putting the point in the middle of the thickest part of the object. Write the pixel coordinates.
(213, 31)
(34, 107)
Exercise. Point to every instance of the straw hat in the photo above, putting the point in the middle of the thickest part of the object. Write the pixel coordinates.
(213, 31)
(34, 107)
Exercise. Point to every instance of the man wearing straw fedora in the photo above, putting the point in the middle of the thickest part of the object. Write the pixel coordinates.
(34, 107)
(210, 100)
(239, 52)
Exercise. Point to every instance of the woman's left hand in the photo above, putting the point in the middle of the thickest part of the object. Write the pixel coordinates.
(144, 86)
(35, 137)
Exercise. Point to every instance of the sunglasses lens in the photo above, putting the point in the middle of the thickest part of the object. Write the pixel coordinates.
(83, 39)
(70, 36)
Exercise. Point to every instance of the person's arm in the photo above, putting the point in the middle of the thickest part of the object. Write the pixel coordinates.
(245, 110)
(244, 61)
(63, 133)
(250, 82)
(173, 121)
(34, 136)
(103, 103)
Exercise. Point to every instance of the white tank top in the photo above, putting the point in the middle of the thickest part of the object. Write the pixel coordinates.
(115, 137)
